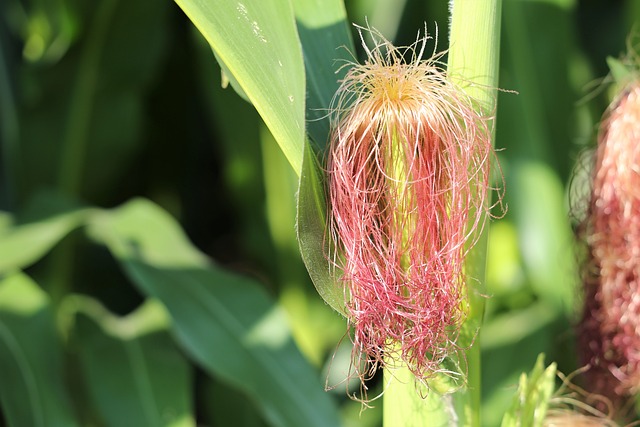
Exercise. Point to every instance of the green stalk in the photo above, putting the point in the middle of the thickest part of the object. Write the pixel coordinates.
(9, 132)
(76, 136)
(473, 58)
(474, 51)
(474, 48)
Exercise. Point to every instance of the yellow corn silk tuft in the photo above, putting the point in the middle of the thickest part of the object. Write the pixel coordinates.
(408, 176)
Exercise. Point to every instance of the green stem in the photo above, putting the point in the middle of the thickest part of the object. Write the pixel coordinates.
(474, 51)
(474, 48)
(76, 136)
(9, 131)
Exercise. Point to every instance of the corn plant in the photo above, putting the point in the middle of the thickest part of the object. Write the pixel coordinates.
(294, 212)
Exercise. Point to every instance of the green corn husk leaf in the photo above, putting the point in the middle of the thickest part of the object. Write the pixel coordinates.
(326, 43)
(312, 237)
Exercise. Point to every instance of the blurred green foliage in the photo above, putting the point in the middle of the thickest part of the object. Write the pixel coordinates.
(102, 102)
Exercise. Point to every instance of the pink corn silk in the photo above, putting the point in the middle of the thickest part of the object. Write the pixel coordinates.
(408, 173)
(610, 329)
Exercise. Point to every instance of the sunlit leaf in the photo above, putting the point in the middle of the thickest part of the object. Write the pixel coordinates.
(256, 40)
(23, 244)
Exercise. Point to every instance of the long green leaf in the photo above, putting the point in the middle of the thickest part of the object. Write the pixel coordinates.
(256, 40)
(32, 391)
(134, 372)
(227, 323)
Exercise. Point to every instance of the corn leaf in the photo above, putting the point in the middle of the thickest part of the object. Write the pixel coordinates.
(225, 322)
(312, 237)
(257, 43)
